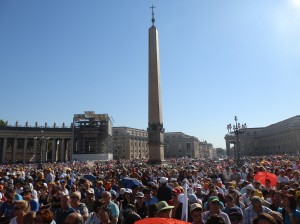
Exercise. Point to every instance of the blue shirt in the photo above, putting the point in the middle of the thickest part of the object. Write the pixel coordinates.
(287, 219)
(60, 215)
(114, 209)
(34, 206)
(7, 210)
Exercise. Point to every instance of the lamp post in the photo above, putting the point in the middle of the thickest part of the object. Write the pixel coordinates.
(237, 129)
(43, 143)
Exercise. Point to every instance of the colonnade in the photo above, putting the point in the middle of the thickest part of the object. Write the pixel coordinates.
(32, 149)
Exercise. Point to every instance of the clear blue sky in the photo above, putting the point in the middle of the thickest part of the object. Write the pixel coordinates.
(218, 59)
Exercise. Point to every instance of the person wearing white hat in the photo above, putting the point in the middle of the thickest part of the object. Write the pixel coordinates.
(249, 193)
(127, 200)
(198, 191)
(164, 192)
(89, 199)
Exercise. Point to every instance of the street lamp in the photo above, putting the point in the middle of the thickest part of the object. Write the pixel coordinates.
(43, 143)
(236, 129)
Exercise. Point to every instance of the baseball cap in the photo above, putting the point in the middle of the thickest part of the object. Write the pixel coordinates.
(195, 206)
(250, 187)
(163, 180)
(213, 198)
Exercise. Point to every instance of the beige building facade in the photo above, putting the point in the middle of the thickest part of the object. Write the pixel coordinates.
(179, 145)
(45, 143)
(279, 138)
(130, 143)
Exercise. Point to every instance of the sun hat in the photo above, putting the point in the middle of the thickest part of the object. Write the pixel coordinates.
(128, 191)
(163, 205)
(139, 195)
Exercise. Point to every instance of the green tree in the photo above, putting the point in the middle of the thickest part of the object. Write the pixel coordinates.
(2, 122)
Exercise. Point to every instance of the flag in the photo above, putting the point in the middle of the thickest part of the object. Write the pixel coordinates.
(184, 200)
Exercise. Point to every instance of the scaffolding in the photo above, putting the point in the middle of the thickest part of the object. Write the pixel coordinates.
(92, 133)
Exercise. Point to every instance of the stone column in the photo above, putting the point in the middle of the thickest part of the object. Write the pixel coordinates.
(53, 153)
(227, 148)
(62, 151)
(25, 150)
(71, 149)
(44, 151)
(67, 149)
(15, 150)
(34, 150)
(4, 149)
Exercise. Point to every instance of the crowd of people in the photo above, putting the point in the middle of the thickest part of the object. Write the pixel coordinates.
(188, 190)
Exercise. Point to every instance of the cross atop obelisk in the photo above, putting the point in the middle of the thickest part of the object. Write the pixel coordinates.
(155, 122)
(153, 19)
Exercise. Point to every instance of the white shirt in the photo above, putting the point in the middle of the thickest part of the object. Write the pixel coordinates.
(284, 179)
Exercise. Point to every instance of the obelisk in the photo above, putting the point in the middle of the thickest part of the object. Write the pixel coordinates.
(155, 122)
